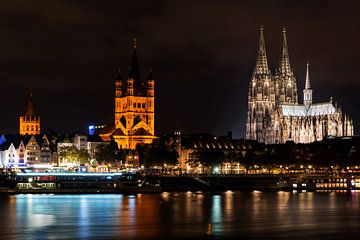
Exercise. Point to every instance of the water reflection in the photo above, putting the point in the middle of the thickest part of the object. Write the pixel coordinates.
(181, 215)
(216, 214)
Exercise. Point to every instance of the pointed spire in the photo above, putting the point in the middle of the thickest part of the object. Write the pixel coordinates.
(150, 77)
(30, 111)
(134, 72)
(307, 81)
(284, 59)
(118, 76)
(261, 61)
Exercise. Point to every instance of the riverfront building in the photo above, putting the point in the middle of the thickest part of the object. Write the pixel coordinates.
(25, 150)
(274, 112)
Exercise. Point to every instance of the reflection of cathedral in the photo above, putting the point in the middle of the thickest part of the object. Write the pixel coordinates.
(274, 114)
(134, 108)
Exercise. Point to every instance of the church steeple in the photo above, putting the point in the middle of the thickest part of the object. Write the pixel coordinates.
(134, 71)
(134, 118)
(307, 91)
(261, 61)
(284, 67)
(30, 122)
(30, 110)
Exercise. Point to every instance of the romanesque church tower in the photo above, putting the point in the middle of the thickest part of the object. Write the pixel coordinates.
(134, 119)
(30, 122)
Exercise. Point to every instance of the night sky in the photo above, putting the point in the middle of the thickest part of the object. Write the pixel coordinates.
(202, 54)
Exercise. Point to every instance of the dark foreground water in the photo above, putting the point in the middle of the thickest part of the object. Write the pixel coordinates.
(181, 215)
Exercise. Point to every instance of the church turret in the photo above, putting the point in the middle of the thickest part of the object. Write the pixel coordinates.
(307, 91)
(150, 84)
(118, 84)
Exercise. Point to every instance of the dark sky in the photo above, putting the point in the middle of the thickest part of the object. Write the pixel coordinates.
(202, 54)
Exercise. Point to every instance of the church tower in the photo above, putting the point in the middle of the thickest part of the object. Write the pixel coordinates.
(284, 77)
(134, 107)
(30, 123)
(261, 97)
(307, 91)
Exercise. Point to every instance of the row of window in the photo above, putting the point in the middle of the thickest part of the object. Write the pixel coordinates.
(139, 105)
(31, 128)
(135, 105)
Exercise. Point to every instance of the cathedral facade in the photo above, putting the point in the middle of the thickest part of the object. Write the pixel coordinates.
(134, 120)
(274, 112)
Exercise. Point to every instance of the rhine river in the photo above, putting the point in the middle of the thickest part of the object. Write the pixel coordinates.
(287, 215)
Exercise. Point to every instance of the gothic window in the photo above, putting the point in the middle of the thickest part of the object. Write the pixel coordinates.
(134, 105)
(143, 105)
(266, 90)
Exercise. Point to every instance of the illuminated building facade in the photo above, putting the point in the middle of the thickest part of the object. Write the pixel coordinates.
(274, 113)
(30, 122)
(134, 121)
(25, 150)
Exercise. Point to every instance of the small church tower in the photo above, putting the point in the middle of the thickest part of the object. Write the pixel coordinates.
(30, 123)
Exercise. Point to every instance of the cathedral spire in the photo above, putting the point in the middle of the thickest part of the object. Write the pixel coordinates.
(261, 61)
(307, 81)
(284, 67)
(307, 91)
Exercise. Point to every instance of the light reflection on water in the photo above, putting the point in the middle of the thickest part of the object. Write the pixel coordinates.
(181, 215)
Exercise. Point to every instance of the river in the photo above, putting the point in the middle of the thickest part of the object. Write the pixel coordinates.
(185, 215)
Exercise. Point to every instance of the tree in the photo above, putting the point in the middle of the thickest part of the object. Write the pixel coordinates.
(233, 156)
(107, 153)
(209, 158)
(158, 153)
(74, 155)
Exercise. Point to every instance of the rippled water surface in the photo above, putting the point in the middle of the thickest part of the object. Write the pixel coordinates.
(181, 215)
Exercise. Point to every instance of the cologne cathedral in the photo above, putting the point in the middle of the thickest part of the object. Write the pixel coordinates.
(274, 113)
